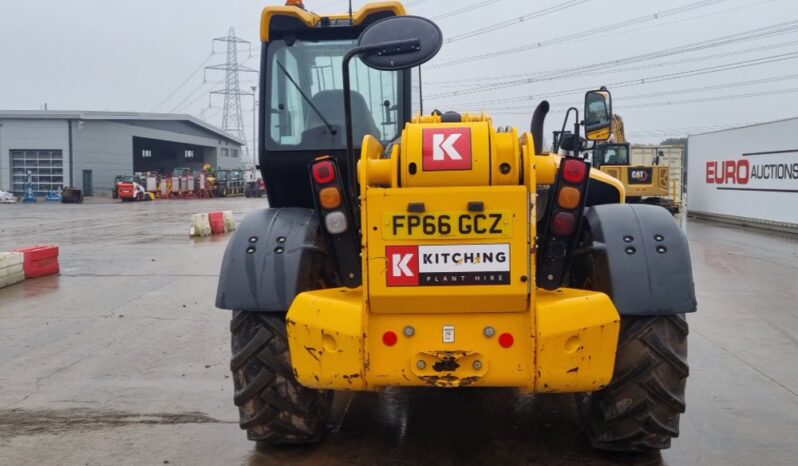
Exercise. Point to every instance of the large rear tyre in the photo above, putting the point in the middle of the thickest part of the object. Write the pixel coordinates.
(273, 407)
(639, 410)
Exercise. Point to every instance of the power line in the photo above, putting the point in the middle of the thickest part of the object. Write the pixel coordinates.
(571, 37)
(182, 84)
(713, 87)
(686, 130)
(207, 117)
(649, 80)
(714, 99)
(185, 104)
(753, 34)
(464, 9)
(678, 62)
(182, 104)
(503, 24)
(681, 102)
(509, 78)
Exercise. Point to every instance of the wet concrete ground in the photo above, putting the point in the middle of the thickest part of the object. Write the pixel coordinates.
(122, 359)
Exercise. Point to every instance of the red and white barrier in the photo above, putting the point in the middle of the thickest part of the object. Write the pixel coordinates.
(11, 268)
(40, 260)
(30, 262)
(212, 223)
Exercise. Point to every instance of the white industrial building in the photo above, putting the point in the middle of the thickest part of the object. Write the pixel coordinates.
(746, 175)
(87, 150)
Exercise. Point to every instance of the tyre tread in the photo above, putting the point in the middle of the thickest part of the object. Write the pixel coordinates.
(273, 407)
(639, 410)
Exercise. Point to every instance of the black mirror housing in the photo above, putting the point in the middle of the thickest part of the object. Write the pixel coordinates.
(598, 115)
(399, 42)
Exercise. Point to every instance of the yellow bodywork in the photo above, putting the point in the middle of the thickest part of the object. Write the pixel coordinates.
(475, 318)
(565, 343)
(310, 19)
(659, 185)
(450, 333)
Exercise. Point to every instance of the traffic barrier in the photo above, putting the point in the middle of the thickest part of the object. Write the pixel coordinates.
(39, 260)
(216, 220)
(212, 223)
(229, 221)
(11, 268)
(200, 225)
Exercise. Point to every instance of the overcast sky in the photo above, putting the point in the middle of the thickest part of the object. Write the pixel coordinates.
(131, 56)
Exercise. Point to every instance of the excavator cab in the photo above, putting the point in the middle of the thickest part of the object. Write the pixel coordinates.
(302, 95)
(610, 154)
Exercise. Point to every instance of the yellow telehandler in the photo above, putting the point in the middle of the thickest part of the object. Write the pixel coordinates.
(439, 250)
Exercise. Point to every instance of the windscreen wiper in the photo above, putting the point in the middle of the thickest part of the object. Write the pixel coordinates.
(290, 78)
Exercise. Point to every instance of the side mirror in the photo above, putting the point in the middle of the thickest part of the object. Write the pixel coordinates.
(598, 115)
(391, 44)
(399, 42)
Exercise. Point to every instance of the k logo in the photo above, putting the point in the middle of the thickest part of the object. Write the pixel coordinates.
(446, 149)
(402, 265)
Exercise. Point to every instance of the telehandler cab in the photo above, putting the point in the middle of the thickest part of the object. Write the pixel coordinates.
(439, 250)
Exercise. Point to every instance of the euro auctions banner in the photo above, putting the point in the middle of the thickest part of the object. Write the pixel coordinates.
(757, 171)
(749, 172)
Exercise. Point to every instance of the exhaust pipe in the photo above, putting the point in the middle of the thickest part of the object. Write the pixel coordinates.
(538, 117)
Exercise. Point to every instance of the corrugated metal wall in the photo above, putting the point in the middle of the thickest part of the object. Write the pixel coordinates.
(105, 147)
(21, 134)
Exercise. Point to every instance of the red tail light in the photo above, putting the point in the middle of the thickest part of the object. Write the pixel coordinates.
(334, 211)
(563, 223)
(575, 171)
(324, 172)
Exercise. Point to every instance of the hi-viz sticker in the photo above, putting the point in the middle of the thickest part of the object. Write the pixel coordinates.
(462, 264)
(446, 149)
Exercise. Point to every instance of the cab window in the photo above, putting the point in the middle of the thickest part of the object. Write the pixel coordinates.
(305, 108)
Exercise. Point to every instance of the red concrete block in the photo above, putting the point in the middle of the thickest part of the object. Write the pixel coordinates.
(39, 260)
(216, 220)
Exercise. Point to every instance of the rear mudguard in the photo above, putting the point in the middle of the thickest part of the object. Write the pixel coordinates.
(641, 259)
(270, 259)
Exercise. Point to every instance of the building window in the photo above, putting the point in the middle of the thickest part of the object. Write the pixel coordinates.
(225, 153)
(233, 152)
(146, 153)
(189, 154)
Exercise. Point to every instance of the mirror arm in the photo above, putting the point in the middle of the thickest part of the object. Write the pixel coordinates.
(556, 149)
(350, 149)
(385, 48)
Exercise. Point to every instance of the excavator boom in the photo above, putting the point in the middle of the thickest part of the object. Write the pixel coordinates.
(617, 129)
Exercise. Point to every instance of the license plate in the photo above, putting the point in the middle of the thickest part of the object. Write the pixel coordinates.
(447, 225)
